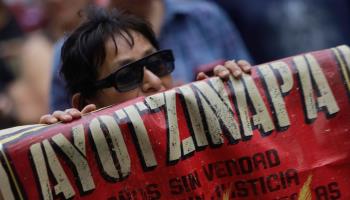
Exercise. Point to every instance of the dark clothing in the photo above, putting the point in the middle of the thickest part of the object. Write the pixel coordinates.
(273, 29)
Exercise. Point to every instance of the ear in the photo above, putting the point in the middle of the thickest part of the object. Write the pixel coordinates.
(78, 101)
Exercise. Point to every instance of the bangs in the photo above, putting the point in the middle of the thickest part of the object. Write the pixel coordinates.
(124, 34)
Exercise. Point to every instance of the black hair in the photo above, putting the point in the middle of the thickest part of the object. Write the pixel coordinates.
(84, 50)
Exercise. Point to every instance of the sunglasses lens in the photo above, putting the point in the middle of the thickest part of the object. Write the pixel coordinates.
(161, 68)
(161, 64)
(128, 78)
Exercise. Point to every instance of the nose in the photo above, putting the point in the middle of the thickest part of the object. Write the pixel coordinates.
(151, 82)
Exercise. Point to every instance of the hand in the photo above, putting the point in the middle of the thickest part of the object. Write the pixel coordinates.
(66, 116)
(229, 68)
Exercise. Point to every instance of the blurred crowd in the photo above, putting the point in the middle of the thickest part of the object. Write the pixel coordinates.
(201, 33)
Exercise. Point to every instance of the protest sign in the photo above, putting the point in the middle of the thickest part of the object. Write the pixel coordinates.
(281, 133)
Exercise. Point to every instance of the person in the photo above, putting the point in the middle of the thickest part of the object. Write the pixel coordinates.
(113, 57)
(11, 36)
(274, 29)
(30, 91)
(198, 32)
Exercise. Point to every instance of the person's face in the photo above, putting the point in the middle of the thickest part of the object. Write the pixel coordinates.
(126, 54)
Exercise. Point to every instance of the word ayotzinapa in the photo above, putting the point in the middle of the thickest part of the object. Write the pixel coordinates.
(169, 128)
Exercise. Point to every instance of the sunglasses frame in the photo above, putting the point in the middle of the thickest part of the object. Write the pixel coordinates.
(109, 81)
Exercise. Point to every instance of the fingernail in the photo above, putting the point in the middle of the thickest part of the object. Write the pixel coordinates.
(74, 112)
(53, 120)
(67, 117)
(223, 73)
(237, 73)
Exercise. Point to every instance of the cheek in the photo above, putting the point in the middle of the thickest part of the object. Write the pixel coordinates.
(167, 82)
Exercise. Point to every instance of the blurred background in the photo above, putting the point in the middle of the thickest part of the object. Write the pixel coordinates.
(201, 33)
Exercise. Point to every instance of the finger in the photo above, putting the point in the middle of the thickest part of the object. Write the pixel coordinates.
(245, 66)
(47, 119)
(234, 68)
(62, 116)
(75, 113)
(201, 76)
(89, 108)
(222, 72)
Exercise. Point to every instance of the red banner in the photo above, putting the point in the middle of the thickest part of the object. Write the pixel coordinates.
(282, 133)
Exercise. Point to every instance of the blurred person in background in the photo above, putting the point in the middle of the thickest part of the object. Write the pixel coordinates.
(31, 89)
(11, 36)
(198, 32)
(274, 29)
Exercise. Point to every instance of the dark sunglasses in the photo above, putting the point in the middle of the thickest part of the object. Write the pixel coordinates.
(130, 76)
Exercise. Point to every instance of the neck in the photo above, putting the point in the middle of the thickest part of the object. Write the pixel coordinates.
(156, 15)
